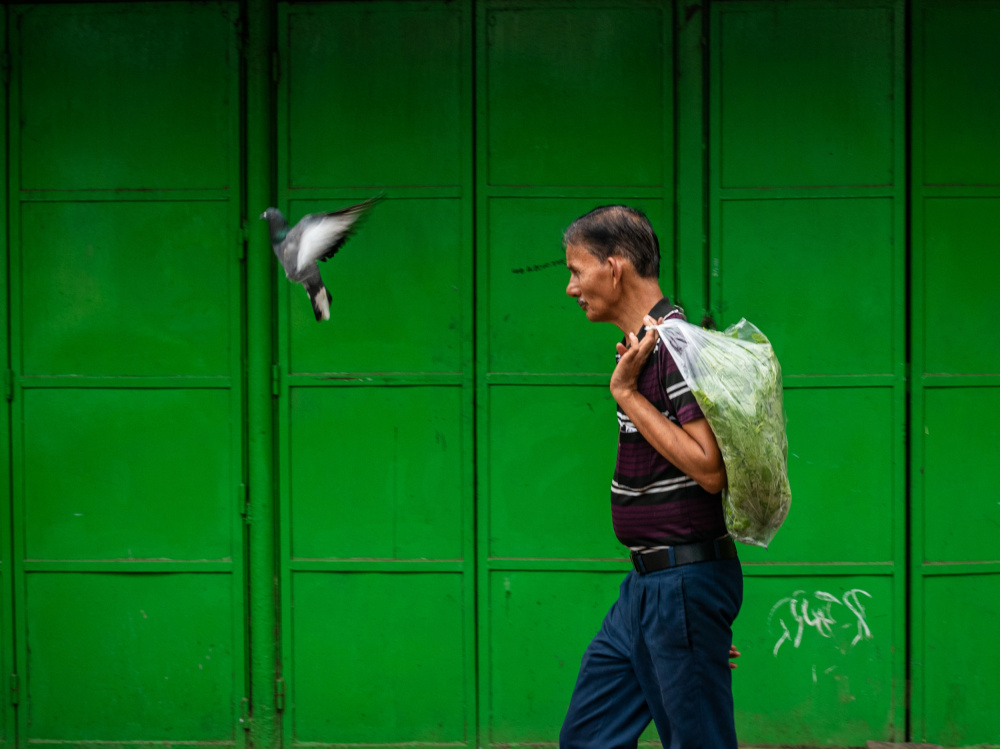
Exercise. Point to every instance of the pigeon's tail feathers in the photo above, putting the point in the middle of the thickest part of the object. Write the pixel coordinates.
(321, 305)
(319, 295)
(323, 234)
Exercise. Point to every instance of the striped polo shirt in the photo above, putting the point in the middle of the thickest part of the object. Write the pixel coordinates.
(652, 502)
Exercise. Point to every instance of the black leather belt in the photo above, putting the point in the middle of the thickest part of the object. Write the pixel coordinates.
(674, 556)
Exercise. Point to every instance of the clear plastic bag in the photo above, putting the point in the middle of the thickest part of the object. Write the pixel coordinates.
(736, 379)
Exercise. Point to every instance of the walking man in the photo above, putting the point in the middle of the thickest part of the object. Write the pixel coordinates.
(662, 650)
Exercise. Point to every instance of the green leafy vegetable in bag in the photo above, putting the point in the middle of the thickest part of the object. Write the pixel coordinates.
(736, 379)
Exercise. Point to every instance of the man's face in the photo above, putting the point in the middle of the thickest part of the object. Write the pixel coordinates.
(591, 283)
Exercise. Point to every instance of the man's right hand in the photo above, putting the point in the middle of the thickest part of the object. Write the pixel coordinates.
(733, 653)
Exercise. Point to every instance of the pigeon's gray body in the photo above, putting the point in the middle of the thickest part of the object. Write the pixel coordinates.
(316, 237)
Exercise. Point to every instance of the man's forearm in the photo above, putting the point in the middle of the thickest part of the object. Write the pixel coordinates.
(674, 443)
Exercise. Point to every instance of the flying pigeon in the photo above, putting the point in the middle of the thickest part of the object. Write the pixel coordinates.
(317, 237)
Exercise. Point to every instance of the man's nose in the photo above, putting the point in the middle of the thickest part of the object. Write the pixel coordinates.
(571, 289)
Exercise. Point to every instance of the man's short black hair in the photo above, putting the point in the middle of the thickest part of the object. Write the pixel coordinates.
(618, 230)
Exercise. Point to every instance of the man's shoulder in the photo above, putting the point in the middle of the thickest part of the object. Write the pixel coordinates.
(676, 313)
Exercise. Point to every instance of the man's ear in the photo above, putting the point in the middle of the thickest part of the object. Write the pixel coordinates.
(617, 268)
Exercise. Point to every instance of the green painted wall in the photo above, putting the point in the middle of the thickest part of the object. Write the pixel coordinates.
(229, 525)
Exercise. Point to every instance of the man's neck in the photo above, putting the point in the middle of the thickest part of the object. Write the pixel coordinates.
(636, 304)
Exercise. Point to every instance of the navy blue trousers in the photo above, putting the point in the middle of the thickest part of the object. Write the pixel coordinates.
(662, 654)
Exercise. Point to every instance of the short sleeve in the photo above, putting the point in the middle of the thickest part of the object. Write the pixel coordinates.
(682, 400)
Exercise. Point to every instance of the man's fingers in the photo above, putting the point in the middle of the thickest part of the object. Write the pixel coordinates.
(645, 346)
(733, 653)
(652, 333)
(634, 348)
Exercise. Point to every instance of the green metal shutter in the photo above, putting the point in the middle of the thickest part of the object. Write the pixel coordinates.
(807, 232)
(444, 543)
(375, 407)
(126, 350)
(574, 110)
(7, 662)
(955, 585)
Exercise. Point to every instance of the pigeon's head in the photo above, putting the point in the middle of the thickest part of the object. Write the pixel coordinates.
(276, 223)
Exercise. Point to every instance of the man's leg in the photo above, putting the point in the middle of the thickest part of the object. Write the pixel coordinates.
(608, 709)
(687, 628)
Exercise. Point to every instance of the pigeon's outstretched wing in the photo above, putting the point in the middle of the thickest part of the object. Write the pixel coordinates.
(318, 236)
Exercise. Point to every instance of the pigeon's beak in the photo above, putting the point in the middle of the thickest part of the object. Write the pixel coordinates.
(264, 214)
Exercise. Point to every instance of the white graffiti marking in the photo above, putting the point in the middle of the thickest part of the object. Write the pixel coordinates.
(858, 609)
(820, 616)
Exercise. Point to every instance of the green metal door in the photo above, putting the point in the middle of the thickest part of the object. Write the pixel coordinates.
(375, 407)
(7, 714)
(807, 229)
(441, 549)
(574, 109)
(955, 402)
(125, 310)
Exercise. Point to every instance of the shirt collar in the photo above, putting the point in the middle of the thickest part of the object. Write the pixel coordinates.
(661, 309)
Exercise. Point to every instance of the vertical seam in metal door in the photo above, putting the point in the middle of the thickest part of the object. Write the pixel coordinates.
(473, 361)
(908, 331)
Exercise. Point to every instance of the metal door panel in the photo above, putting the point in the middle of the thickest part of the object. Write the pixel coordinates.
(574, 110)
(540, 623)
(127, 474)
(402, 270)
(813, 274)
(533, 325)
(574, 93)
(126, 326)
(955, 398)
(961, 106)
(958, 666)
(818, 108)
(7, 652)
(380, 659)
(841, 468)
(807, 234)
(823, 646)
(375, 95)
(376, 473)
(551, 503)
(961, 501)
(374, 414)
(960, 305)
(147, 88)
(129, 657)
(123, 288)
